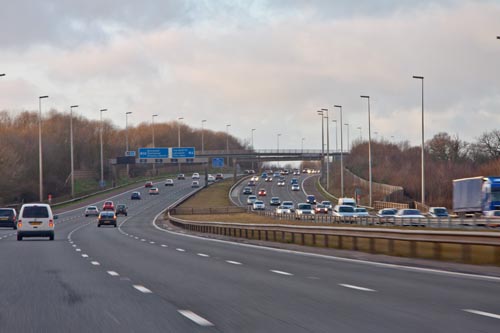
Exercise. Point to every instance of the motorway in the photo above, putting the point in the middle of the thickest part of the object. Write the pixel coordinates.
(140, 278)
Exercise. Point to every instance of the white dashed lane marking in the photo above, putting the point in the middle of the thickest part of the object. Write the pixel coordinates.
(113, 273)
(203, 255)
(85, 255)
(180, 250)
(95, 263)
(281, 272)
(194, 317)
(233, 262)
(151, 242)
(355, 287)
(78, 250)
(163, 245)
(482, 313)
(142, 289)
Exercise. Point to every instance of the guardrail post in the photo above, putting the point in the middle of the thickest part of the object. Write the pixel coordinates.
(293, 237)
(265, 235)
(390, 246)
(314, 239)
(413, 248)
(437, 250)
(466, 253)
(355, 243)
(340, 242)
(497, 254)
(302, 240)
(259, 234)
(274, 235)
(372, 245)
(326, 240)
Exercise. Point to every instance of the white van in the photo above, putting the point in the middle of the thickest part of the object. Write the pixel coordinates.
(347, 201)
(35, 220)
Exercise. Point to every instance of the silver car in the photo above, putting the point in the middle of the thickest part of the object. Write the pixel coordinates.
(91, 210)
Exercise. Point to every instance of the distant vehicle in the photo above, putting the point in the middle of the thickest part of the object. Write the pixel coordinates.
(296, 172)
(277, 174)
(219, 176)
(251, 183)
(275, 201)
(121, 209)
(91, 210)
(269, 179)
(410, 217)
(495, 216)
(311, 199)
(195, 175)
(294, 181)
(387, 212)
(169, 182)
(255, 178)
(283, 210)
(360, 211)
(262, 192)
(8, 218)
(35, 220)
(347, 201)
(258, 205)
(135, 196)
(154, 191)
(148, 184)
(251, 199)
(343, 210)
(263, 176)
(281, 182)
(476, 195)
(288, 204)
(211, 179)
(195, 184)
(327, 204)
(438, 212)
(181, 176)
(108, 205)
(304, 209)
(247, 190)
(251, 172)
(108, 218)
(295, 187)
(321, 209)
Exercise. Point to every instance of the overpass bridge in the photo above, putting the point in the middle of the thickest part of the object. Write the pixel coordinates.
(262, 155)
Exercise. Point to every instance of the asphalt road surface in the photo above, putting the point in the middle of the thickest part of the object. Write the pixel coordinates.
(139, 278)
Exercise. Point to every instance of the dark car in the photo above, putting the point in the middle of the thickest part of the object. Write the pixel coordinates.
(181, 176)
(311, 199)
(121, 209)
(8, 218)
(106, 217)
(247, 190)
(275, 201)
(148, 184)
(251, 183)
(135, 196)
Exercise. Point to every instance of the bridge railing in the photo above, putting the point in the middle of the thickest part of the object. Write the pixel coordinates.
(265, 152)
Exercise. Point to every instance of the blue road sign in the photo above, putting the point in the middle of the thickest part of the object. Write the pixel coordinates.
(183, 152)
(130, 153)
(153, 153)
(218, 162)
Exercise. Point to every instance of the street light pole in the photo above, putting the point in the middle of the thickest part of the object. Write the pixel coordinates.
(126, 139)
(348, 147)
(179, 138)
(102, 158)
(360, 134)
(227, 142)
(202, 136)
(423, 169)
(71, 148)
(302, 146)
(153, 133)
(327, 149)
(320, 112)
(369, 149)
(40, 164)
(253, 129)
(341, 155)
(278, 138)
(336, 135)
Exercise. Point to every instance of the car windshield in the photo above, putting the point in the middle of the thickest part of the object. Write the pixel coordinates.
(496, 213)
(346, 209)
(35, 211)
(360, 210)
(411, 212)
(6, 212)
(107, 214)
(440, 211)
(91, 208)
(304, 206)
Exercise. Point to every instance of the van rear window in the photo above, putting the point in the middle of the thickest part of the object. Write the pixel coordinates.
(6, 212)
(35, 211)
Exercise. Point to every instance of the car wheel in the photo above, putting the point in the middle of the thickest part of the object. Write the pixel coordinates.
(86, 215)
(98, 225)
(14, 227)
(126, 214)
(51, 237)
(19, 237)
(115, 225)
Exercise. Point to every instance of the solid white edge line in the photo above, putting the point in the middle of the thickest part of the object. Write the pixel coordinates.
(195, 318)
(281, 272)
(142, 289)
(233, 262)
(330, 257)
(113, 273)
(482, 313)
(355, 287)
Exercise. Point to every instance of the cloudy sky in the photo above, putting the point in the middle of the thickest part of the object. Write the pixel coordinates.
(268, 65)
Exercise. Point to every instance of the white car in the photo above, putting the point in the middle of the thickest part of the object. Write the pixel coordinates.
(211, 178)
(304, 210)
(195, 175)
(409, 217)
(91, 210)
(258, 205)
(295, 187)
(35, 220)
(288, 204)
(283, 210)
(327, 204)
(169, 182)
(195, 184)
(251, 199)
(360, 211)
(281, 182)
(343, 210)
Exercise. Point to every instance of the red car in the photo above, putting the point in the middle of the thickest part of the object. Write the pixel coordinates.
(148, 184)
(321, 209)
(219, 176)
(108, 205)
(262, 192)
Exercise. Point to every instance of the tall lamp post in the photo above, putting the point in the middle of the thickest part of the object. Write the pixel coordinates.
(40, 164)
(179, 138)
(421, 78)
(227, 142)
(278, 139)
(320, 113)
(102, 158)
(3, 74)
(348, 143)
(360, 133)
(202, 136)
(126, 139)
(302, 146)
(251, 133)
(341, 155)
(336, 135)
(71, 148)
(327, 148)
(369, 150)
(153, 134)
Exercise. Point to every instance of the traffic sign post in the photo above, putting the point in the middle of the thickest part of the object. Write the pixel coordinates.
(218, 162)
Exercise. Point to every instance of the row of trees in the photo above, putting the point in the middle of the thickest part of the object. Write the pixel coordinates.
(446, 158)
(19, 149)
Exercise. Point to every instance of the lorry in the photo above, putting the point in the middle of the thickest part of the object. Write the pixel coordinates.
(476, 195)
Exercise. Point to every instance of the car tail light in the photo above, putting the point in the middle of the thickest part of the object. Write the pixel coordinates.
(19, 224)
(51, 223)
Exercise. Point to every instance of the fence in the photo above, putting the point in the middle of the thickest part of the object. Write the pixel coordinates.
(208, 210)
